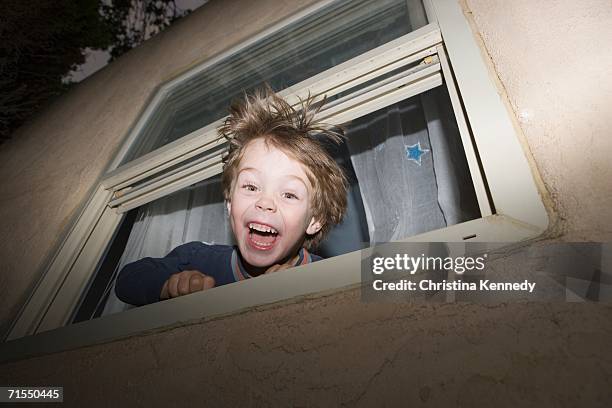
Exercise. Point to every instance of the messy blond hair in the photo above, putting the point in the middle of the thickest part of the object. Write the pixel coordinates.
(264, 114)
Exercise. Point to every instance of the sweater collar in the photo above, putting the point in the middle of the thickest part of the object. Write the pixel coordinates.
(240, 272)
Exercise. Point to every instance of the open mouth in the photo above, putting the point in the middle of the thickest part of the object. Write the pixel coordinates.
(261, 236)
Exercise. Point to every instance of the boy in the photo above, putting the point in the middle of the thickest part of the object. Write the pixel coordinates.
(283, 193)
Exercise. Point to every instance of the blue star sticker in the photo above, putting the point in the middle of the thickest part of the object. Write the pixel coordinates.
(414, 152)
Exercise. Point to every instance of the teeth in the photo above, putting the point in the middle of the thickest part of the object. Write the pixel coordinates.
(263, 244)
(262, 228)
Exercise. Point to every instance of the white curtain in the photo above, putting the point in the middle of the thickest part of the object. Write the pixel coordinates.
(411, 168)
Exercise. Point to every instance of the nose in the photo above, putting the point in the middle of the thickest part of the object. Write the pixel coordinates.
(265, 204)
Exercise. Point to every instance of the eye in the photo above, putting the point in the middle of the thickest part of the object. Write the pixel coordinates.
(249, 187)
(290, 196)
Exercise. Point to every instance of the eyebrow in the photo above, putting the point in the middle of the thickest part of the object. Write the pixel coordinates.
(292, 176)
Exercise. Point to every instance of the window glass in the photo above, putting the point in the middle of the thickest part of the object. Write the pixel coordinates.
(328, 37)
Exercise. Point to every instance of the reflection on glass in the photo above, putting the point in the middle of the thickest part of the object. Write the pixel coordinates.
(326, 38)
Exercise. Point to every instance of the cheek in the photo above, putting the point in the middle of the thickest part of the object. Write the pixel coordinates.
(297, 218)
(237, 206)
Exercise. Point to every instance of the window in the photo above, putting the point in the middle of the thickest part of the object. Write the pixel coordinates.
(407, 172)
(174, 146)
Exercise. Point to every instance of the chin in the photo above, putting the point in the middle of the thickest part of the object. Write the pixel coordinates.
(260, 259)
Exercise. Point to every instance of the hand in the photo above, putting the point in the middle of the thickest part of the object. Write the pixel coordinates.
(184, 283)
(279, 267)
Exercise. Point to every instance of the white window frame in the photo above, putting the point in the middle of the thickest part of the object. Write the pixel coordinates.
(519, 210)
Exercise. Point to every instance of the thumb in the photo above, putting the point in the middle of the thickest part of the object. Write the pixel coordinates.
(209, 282)
(200, 282)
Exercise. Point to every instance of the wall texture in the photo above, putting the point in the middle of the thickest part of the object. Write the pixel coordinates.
(337, 351)
(552, 60)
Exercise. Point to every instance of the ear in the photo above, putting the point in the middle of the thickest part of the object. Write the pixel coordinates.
(314, 227)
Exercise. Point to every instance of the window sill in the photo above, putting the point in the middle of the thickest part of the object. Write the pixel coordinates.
(289, 285)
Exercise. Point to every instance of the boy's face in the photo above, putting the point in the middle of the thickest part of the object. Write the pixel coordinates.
(270, 205)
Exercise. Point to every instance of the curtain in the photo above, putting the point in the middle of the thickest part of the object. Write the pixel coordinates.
(411, 168)
(456, 194)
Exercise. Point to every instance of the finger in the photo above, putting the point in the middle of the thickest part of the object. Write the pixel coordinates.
(209, 282)
(164, 292)
(183, 285)
(196, 283)
(173, 285)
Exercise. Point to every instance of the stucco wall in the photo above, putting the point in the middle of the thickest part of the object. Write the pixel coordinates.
(552, 60)
(338, 351)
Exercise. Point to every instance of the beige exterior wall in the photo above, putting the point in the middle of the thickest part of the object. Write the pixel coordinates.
(551, 59)
(554, 61)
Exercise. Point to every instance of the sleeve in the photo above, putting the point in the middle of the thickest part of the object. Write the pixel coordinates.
(140, 282)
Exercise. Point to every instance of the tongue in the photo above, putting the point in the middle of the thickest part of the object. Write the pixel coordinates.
(263, 237)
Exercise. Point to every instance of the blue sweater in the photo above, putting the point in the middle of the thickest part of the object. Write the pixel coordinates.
(140, 283)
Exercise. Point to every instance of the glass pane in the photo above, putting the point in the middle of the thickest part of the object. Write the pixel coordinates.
(326, 38)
